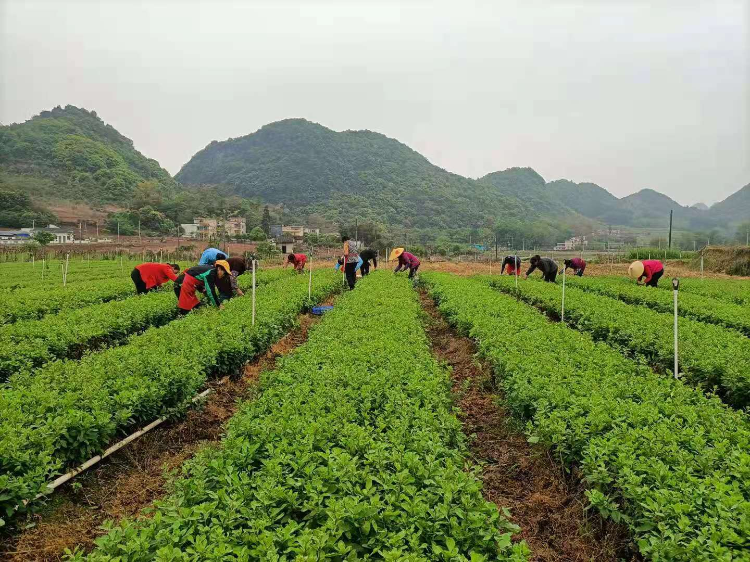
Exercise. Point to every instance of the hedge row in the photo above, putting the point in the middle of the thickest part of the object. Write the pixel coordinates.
(69, 410)
(660, 457)
(691, 305)
(28, 344)
(351, 452)
(710, 356)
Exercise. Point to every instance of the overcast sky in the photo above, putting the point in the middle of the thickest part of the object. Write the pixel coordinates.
(624, 93)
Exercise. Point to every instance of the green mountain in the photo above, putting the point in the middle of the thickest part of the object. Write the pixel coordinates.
(70, 154)
(735, 208)
(342, 175)
(527, 185)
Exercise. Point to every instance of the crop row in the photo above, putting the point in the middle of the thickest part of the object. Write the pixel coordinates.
(657, 456)
(28, 344)
(691, 305)
(709, 356)
(36, 302)
(69, 410)
(728, 290)
(15, 280)
(351, 452)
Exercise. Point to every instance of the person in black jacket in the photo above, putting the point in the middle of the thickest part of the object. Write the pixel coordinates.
(547, 266)
(366, 256)
(513, 263)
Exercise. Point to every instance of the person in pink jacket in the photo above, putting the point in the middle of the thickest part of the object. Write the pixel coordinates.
(648, 271)
(407, 261)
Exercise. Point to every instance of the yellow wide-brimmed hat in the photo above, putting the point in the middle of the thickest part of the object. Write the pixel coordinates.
(224, 265)
(636, 269)
(395, 253)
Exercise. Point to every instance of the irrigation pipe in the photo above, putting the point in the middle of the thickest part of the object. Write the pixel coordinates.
(114, 448)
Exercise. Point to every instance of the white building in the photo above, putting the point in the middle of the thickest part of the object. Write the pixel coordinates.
(62, 235)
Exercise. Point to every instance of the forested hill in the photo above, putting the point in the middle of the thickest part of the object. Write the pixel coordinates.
(71, 154)
(340, 175)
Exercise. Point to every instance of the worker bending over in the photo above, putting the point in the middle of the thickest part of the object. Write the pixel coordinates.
(651, 270)
(513, 263)
(577, 264)
(405, 261)
(210, 255)
(298, 261)
(150, 276)
(200, 278)
(547, 266)
(366, 256)
(228, 285)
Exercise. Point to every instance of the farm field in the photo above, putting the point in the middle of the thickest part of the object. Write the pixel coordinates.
(352, 446)
(711, 356)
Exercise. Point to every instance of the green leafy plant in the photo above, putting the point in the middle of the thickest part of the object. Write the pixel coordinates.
(656, 455)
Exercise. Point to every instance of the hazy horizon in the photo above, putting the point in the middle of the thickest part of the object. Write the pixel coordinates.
(622, 94)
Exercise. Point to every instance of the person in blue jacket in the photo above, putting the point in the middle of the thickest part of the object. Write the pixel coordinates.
(210, 255)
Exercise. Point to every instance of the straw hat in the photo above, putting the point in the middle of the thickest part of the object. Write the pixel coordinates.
(224, 265)
(636, 269)
(395, 253)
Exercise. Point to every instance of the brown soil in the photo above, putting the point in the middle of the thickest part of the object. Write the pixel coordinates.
(135, 477)
(544, 501)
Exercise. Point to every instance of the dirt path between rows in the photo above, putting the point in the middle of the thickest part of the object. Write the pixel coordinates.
(544, 501)
(134, 477)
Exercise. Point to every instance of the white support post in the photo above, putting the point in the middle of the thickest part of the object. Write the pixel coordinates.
(701, 266)
(562, 315)
(309, 283)
(675, 286)
(253, 322)
(44, 264)
(67, 263)
(517, 268)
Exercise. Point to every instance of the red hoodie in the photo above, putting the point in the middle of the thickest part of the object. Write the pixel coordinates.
(650, 267)
(156, 274)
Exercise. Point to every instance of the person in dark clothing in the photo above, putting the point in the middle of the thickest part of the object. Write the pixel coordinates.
(547, 266)
(366, 256)
(513, 264)
(201, 278)
(150, 276)
(577, 264)
(228, 285)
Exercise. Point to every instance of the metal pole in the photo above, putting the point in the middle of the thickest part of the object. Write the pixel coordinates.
(701, 266)
(562, 316)
(675, 285)
(309, 283)
(253, 322)
(670, 229)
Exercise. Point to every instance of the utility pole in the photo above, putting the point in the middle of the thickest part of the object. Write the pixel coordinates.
(118, 232)
(356, 229)
(670, 229)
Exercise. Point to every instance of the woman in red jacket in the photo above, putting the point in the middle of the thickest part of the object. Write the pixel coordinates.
(651, 270)
(298, 261)
(149, 276)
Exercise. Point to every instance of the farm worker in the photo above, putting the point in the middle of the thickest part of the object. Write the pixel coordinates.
(227, 285)
(367, 255)
(547, 266)
(201, 278)
(149, 276)
(350, 260)
(340, 262)
(298, 261)
(406, 261)
(652, 270)
(513, 263)
(210, 255)
(577, 264)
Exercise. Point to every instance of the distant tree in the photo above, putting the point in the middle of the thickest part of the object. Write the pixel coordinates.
(43, 237)
(265, 222)
(257, 234)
